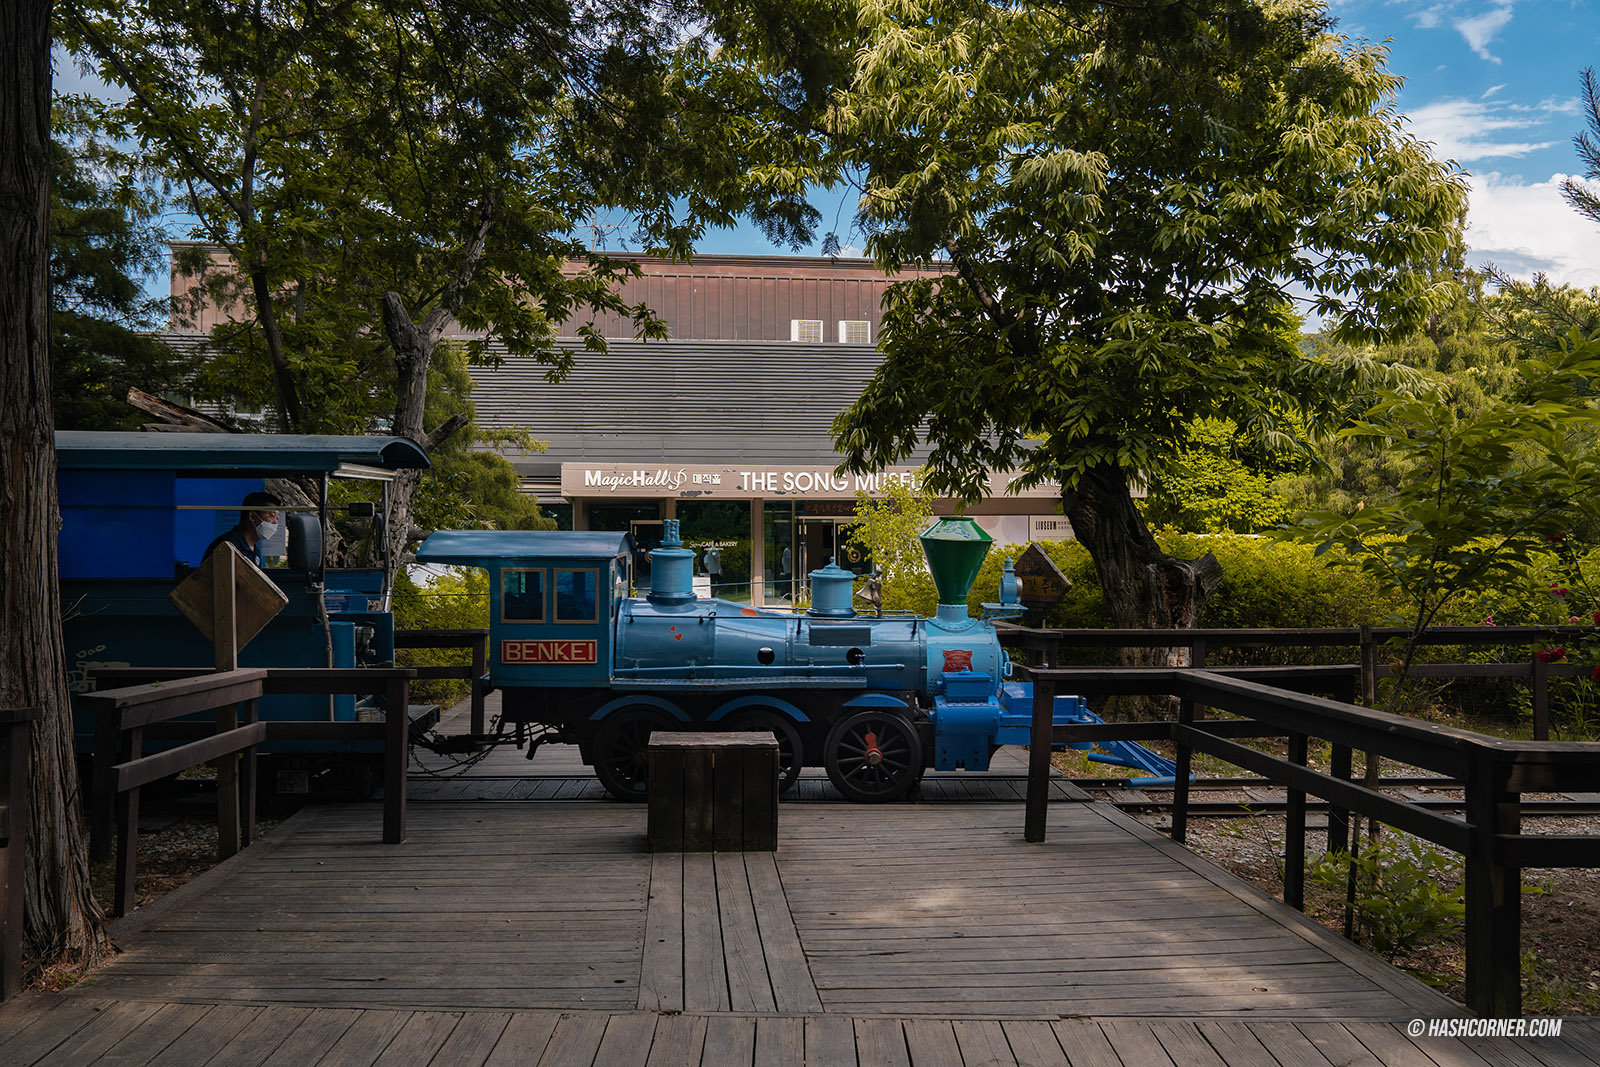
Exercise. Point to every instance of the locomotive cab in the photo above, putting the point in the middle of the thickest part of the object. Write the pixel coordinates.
(553, 600)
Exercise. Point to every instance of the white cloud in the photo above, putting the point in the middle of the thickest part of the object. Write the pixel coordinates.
(1480, 30)
(1525, 228)
(1464, 130)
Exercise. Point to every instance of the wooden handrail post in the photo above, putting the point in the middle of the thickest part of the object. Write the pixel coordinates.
(1494, 893)
(1294, 835)
(480, 664)
(127, 806)
(1541, 699)
(14, 741)
(1040, 741)
(247, 778)
(1369, 667)
(396, 737)
(227, 787)
(1180, 786)
(1339, 764)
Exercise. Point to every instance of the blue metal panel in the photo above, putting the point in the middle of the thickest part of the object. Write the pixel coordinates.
(116, 524)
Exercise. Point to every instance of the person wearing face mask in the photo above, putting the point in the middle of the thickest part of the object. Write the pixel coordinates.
(258, 521)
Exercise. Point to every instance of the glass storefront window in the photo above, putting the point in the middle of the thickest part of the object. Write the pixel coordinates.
(777, 535)
(718, 533)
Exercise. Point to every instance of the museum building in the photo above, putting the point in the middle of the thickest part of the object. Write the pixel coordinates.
(726, 426)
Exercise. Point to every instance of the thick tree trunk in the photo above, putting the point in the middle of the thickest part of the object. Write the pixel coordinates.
(62, 918)
(1144, 587)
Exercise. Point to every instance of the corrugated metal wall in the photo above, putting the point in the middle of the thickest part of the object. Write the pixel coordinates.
(684, 402)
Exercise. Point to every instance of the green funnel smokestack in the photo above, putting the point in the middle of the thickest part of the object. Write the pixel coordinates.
(955, 549)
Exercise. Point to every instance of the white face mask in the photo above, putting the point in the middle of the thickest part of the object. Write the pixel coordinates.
(265, 530)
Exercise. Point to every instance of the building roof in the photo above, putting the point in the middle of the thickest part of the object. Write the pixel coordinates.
(252, 452)
(680, 402)
(473, 547)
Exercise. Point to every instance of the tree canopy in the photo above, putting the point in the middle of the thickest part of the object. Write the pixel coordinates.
(1132, 199)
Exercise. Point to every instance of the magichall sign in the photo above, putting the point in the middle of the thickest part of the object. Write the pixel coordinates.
(690, 481)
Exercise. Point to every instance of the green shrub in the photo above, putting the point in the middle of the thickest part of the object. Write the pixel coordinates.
(457, 599)
(1402, 903)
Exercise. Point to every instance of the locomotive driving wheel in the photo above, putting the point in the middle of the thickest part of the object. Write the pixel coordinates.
(873, 755)
(622, 750)
(790, 753)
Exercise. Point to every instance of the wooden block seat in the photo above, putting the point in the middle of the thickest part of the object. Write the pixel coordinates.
(713, 792)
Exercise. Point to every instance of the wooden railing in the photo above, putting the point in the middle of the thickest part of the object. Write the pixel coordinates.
(1535, 670)
(14, 726)
(121, 768)
(1495, 773)
(476, 640)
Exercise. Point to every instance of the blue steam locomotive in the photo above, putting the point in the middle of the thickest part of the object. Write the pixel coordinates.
(876, 700)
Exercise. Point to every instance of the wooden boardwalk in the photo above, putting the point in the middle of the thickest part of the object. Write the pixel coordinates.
(525, 932)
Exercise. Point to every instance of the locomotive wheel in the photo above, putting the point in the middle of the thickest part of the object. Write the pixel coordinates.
(873, 755)
(791, 755)
(622, 750)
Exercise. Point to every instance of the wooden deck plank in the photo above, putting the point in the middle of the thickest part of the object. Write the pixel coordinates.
(730, 1041)
(37, 1032)
(679, 1041)
(313, 1038)
(1034, 1043)
(1085, 1044)
(1235, 1043)
(705, 974)
(472, 1040)
(99, 1034)
(260, 1037)
(366, 1040)
(420, 1039)
(780, 1042)
(881, 1043)
(1288, 1045)
(524, 1039)
(787, 968)
(983, 1043)
(1186, 1044)
(627, 1041)
(1394, 1049)
(749, 989)
(151, 1037)
(223, 1023)
(1136, 1043)
(575, 1041)
(932, 1043)
(661, 972)
(829, 1040)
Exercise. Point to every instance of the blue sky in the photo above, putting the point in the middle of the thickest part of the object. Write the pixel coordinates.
(1494, 86)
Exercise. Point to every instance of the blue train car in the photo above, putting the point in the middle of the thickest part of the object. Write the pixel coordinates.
(876, 700)
(138, 511)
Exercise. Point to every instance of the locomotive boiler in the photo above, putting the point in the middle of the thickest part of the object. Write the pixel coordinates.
(876, 700)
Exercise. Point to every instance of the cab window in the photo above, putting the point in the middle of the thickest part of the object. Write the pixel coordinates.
(522, 596)
(577, 596)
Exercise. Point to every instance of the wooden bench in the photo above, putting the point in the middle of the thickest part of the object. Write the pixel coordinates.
(713, 792)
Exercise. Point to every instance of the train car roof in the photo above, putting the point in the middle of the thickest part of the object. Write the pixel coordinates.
(256, 453)
(480, 547)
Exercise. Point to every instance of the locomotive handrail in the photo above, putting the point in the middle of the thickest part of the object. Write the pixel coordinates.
(474, 638)
(14, 726)
(122, 715)
(1495, 772)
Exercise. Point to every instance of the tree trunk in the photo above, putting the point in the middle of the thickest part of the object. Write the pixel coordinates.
(1144, 587)
(62, 917)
